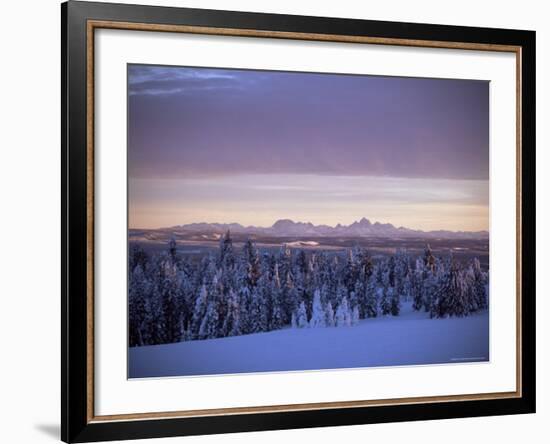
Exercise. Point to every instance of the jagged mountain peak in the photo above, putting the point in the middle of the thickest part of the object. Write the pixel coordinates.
(361, 228)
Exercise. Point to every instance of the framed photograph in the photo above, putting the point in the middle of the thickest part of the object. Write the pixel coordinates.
(276, 221)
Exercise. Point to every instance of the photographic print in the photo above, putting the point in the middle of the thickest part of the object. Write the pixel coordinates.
(290, 221)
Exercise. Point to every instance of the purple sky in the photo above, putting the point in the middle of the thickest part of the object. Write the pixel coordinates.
(201, 142)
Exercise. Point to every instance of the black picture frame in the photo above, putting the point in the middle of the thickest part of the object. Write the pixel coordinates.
(76, 423)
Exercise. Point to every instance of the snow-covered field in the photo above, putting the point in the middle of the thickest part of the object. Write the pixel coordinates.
(409, 339)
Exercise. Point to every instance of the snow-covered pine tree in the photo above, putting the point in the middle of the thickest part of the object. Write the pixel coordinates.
(277, 318)
(138, 256)
(318, 312)
(290, 298)
(172, 249)
(301, 316)
(401, 272)
(350, 272)
(430, 285)
(361, 295)
(429, 259)
(380, 274)
(343, 314)
(408, 286)
(341, 293)
(276, 277)
(199, 311)
(245, 315)
(172, 302)
(365, 264)
(468, 278)
(301, 264)
(390, 270)
(285, 263)
(386, 300)
(258, 311)
(252, 262)
(480, 285)
(231, 322)
(353, 299)
(451, 295)
(395, 303)
(355, 315)
(371, 298)
(138, 293)
(227, 256)
(209, 271)
(209, 324)
(329, 315)
(293, 321)
(417, 285)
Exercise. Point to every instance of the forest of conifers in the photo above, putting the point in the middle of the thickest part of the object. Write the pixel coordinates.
(243, 291)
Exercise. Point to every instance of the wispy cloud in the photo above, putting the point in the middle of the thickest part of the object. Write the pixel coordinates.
(160, 80)
(260, 200)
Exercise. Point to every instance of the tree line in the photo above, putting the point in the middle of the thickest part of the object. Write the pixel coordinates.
(231, 293)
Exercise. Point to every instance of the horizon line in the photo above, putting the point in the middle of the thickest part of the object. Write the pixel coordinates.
(307, 223)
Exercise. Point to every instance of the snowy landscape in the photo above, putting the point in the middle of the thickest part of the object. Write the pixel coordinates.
(288, 221)
(242, 310)
(385, 341)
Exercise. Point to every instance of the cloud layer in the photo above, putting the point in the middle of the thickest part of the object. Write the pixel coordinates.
(198, 121)
(245, 146)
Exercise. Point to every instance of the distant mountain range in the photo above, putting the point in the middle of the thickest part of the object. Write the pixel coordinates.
(361, 228)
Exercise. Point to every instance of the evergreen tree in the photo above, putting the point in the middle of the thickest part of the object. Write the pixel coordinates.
(301, 316)
(277, 318)
(451, 295)
(429, 259)
(227, 258)
(480, 285)
(172, 302)
(350, 272)
(258, 315)
(172, 249)
(395, 303)
(138, 292)
(245, 315)
(209, 324)
(417, 285)
(360, 293)
(371, 299)
(285, 264)
(386, 300)
(138, 256)
(318, 312)
(343, 315)
(364, 260)
(390, 270)
(199, 311)
(353, 299)
(252, 263)
(231, 325)
(401, 272)
(329, 315)
(430, 286)
(341, 294)
(408, 286)
(355, 315)
(291, 298)
(301, 263)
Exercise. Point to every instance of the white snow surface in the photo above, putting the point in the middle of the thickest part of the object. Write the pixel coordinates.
(409, 339)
